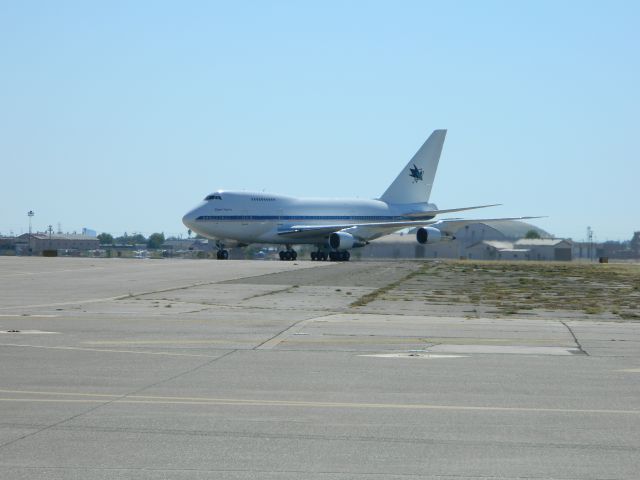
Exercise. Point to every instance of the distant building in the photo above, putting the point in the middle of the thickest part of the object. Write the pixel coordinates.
(43, 241)
(524, 249)
(547, 248)
(7, 243)
(176, 244)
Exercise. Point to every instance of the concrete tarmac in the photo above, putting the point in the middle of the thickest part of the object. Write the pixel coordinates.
(177, 369)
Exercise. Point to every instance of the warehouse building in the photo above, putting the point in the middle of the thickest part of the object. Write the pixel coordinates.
(38, 242)
(524, 249)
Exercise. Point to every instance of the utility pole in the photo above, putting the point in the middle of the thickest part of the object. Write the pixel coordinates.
(50, 232)
(30, 214)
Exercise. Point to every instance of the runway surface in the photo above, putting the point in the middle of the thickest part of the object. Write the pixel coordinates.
(142, 369)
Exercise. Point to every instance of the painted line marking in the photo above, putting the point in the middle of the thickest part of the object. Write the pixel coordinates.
(162, 400)
(44, 272)
(105, 350)
(28, 332)
(171, 342)
(356, 339)
(62, 304)
(410, 355)
(25, 315)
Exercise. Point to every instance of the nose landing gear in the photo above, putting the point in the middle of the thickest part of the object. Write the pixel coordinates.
(221, 254)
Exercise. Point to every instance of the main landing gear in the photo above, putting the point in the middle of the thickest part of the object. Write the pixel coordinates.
(340, 256)
(334, 256)
(318, 256)
(288, 254)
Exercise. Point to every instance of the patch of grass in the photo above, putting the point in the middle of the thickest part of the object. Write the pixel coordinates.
(520, 286)
(593, 309)
(370, 297)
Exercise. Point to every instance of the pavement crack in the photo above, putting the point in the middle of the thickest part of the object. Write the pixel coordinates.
(273, 292)
(575, 339)
(279, 337)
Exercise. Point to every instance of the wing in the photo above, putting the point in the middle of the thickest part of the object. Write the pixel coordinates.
(413, 219)
(433, 213)
(451, 226)
(357, 230)
(373, 230)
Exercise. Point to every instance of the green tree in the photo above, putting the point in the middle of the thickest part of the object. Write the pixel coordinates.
(105, 239)
(155, 240)
(532, 234)
(135, 239)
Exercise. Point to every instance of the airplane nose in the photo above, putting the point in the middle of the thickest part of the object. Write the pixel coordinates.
(189, 219)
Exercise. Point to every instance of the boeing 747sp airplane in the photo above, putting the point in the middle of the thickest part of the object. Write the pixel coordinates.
(334, 225)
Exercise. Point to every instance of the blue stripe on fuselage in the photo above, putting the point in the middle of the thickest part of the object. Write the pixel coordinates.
(304, 217)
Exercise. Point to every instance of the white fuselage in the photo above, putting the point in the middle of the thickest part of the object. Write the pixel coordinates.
(250, 217)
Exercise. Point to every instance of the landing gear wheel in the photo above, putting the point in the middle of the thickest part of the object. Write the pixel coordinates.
(222, 255)
(320, 256)
(342, 256)
(288, 255)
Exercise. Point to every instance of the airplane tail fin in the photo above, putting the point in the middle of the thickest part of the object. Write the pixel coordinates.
(413, 184)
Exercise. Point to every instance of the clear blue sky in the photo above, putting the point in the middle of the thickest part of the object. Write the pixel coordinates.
(120, 116)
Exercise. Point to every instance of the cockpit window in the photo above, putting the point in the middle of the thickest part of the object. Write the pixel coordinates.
(213, 196)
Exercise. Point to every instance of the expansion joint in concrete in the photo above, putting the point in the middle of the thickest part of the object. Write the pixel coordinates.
(113, 400)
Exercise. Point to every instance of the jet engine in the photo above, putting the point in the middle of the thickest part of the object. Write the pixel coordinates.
(341, 240)
(428, 235)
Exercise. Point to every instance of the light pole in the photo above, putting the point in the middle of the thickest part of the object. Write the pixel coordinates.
(30, 214)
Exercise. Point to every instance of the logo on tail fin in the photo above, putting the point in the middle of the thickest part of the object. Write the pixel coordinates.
(416, 173)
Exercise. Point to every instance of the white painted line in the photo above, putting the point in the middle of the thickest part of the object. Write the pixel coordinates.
(104, 350)
(411, 355)
(27, 332)
(505, 349)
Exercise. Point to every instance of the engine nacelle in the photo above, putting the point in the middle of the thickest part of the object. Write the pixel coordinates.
(341, 240)
(428, 235)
